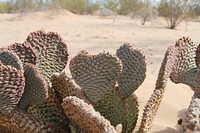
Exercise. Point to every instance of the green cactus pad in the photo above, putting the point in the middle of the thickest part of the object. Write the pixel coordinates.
(25, 52)
(12, 85)
(134, 69)
(10, 58)
(35, 88)
(111, 107)
(85, 116)
(132, 111)
(95, 74)
(154, 101)
(51, 52)
(49, 113)
(185, 67)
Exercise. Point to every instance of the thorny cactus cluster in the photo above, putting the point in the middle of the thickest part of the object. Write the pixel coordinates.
(36, 95)
(187, 71)
(181, 65)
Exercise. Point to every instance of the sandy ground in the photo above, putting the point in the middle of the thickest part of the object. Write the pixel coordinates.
(96, 34)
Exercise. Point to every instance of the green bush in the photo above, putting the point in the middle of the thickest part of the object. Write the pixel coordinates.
(174, 11)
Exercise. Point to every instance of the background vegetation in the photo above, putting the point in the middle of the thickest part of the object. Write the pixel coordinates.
(173, 11)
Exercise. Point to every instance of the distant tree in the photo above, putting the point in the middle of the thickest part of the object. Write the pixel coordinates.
(174, 11)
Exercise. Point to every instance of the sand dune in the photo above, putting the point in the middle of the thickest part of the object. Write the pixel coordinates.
(96, 34)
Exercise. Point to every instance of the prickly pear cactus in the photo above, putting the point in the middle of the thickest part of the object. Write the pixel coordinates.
(133, 72)
(181, 65)
(12, 85)
(187, 71)
(35, 87)
(11, 59)
(23, 89)
(25, 52)
(154, 101)
(109, 81)
(92, 122)
(95, 74)
(51, 51)
(185, 66)
(37, 95)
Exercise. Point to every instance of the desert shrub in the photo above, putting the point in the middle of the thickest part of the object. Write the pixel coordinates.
(75, 6)
(173, 11)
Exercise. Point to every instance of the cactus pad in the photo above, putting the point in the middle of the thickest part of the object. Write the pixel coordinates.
(191, 122)
(156, 98)
(12, 85)
(185, 67)
(10, 58)
(85, 116)
(51, 52)
(111, 107)
(132, 111)
(95, 74)
(35, 88)
(49, 113)
(134, 69)
(25, 52)
(64, 86)
(118, 110)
